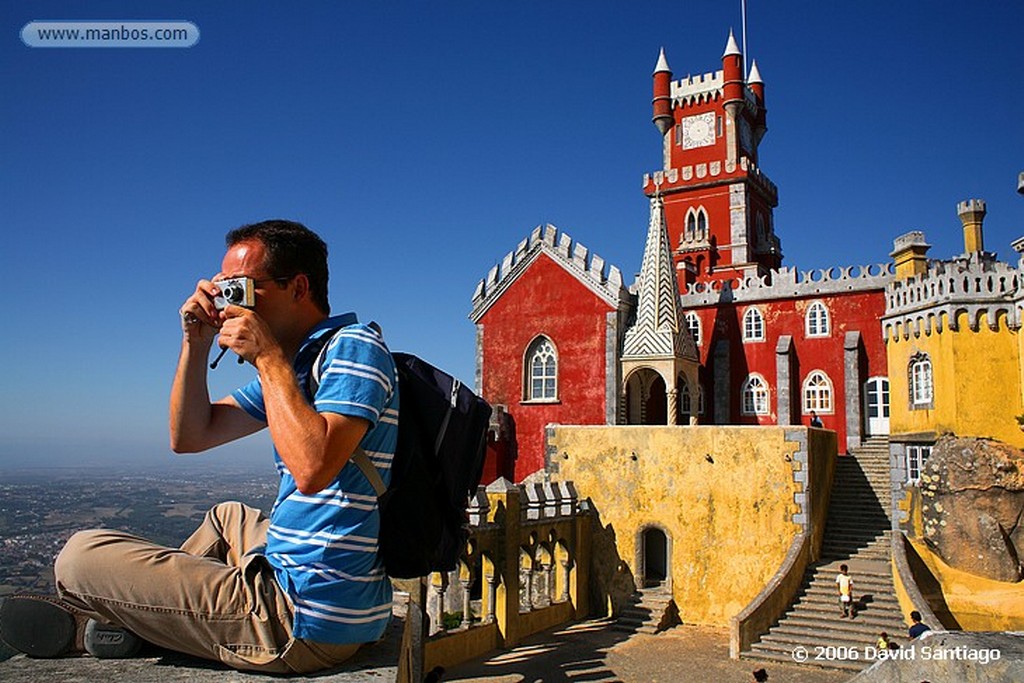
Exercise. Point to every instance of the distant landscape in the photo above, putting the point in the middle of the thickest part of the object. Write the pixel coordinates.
(41, 509)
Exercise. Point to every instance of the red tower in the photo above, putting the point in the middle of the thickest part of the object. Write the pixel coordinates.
(718, 205)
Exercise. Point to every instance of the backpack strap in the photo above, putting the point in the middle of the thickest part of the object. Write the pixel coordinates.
(359, 456)
(362, 461)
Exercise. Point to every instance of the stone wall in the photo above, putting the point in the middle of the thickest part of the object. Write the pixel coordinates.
(730, 500)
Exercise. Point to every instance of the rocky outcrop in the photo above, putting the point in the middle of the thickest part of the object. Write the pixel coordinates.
(973, 504)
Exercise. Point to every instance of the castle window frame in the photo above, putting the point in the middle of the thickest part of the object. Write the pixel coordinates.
(818, 393)
(915, 458)
(817, 322)
(693, 324)
(754, 395)
(753, 325)
(696, 225)
(921, 382)
(686, 398)
(540, 371)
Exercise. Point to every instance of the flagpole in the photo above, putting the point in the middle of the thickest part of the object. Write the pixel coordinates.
(743, 11)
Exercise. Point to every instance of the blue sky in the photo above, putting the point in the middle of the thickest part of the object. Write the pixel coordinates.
(423, 141)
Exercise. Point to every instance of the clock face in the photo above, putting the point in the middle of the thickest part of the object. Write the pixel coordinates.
(699, 130)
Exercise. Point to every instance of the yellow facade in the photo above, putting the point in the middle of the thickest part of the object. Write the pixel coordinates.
(974, 602)
(723, 496)
(976, 379)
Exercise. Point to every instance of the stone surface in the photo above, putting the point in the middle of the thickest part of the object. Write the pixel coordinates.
(972, 505)
(374, 663)
(952, 656)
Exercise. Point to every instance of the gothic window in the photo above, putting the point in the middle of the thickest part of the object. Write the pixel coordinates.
(762, 236)
(686, 397)
(816, 323)
(921, 384)
(693, 322)
(753, 325)
(755, 396)
(696, 225)
(818, 393)
(541, 371)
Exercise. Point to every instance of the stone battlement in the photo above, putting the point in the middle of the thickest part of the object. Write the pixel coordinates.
(711, 170)
(696, 89)
(604, 279)
(788, 282)
(981, 288)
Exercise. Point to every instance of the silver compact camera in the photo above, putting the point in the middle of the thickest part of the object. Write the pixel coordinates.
(236, 291)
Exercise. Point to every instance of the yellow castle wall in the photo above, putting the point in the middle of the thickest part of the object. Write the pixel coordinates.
(729, 521)
(977, 382)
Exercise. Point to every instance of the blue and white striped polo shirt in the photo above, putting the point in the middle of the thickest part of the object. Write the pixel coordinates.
(323, 546)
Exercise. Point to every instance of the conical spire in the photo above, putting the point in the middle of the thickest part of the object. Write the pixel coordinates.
(662, 64)
(657, 331)
(731, 48)
(755, 75)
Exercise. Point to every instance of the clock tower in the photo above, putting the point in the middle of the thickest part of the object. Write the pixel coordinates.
(718, 204)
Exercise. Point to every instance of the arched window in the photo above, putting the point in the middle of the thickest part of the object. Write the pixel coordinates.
(818, 393)
(691, 225)
(753, 325)
(921, 384)
(541, 371)
(755, 396)
(686, 397)
(816, 322)
(696, 225)
(693, 323)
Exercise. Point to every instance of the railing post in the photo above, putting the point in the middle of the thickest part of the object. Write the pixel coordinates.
(505, 510)
(414, 637)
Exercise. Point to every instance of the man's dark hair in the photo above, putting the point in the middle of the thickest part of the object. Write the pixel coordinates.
(292, 248)
(915, 616)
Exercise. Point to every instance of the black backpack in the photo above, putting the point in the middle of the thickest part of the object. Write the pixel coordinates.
(442, 432)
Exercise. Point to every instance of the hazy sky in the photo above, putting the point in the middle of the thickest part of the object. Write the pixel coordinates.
(424, 140)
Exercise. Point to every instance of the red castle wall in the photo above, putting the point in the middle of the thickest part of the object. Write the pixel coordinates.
(544, 300)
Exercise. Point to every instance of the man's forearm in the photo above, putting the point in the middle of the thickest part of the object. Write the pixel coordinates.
(190, 412)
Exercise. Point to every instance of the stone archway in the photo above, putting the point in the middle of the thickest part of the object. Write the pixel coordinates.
(646, 400)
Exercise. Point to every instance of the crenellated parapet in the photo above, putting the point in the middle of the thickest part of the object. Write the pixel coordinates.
(982, 289)
(602, 278)
(705, 172)
(704, 88)
(697, 89)
(788, 282)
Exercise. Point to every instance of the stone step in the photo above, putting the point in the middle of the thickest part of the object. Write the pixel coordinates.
(784, 653)
(826, 620)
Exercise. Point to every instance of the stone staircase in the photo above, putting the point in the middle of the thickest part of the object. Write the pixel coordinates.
(652, 610)
(857, 534)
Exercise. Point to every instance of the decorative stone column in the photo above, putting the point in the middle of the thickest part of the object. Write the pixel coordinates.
(492, 596)
(467, 612)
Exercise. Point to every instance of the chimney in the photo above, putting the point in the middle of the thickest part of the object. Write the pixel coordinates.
(909, 254)
(972, 213)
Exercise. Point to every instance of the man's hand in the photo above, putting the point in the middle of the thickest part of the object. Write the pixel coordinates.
(249, 336)
(200, 319)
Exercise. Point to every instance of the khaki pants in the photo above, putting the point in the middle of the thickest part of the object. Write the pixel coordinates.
(212, 598)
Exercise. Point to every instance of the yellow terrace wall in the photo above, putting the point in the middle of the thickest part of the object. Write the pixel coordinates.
(977, 381)
(725, 497)
(976, 603)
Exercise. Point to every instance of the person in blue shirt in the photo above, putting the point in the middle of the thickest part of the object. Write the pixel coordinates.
(298, 591)
(916, 628)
